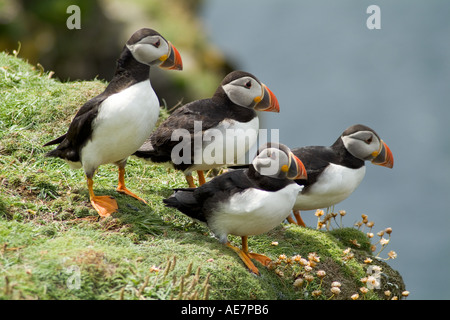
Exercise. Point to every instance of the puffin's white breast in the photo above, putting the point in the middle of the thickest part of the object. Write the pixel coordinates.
(253, 211)
(124, 121)
(225, 144)
(334, 185)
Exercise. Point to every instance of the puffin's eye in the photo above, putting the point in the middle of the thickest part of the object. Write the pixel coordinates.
(248, 85)
(269, 154)
(369, 141)
(157, 43)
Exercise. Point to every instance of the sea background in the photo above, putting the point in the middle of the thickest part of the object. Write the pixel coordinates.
(329, 71)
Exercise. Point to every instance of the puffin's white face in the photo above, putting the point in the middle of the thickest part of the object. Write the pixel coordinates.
(155, 50)
(275, 163)
(245, 91)
(364, 145)
(149, 50)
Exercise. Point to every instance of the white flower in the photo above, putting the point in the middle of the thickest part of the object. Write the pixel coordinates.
(321, 273)
(309, 277)
(335, 290)
(319, 213)
(316, 293)
(372, 282)
(336, 284)
(312, 256)
(392, 254)
(346, 251)
(303, 262)
(368, 260)
(376, 268)
(355, 296)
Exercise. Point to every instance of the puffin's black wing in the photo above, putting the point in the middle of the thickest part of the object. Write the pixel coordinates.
(315, 160)
(158, 147)
(203, 201)
(199, 202)
(78, 133)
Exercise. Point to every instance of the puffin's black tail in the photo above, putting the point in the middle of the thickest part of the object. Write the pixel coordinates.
(55, 152)
(183, 200)
(238, 167)
(55, 141)
(64, 150)
(147, 155)
(147, 152)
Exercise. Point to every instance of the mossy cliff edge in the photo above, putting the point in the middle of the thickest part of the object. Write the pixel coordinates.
(54, 246)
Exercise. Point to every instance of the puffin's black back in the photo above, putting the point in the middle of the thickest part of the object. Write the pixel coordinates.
(317, 158)
(199, 203)
(78, 133)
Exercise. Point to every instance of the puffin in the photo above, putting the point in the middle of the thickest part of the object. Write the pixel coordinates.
(113, 125)
(246, 202)
(336, 171)
(213, 132)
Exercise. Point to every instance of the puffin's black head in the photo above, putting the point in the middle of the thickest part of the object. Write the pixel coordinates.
(149, 47)
(245, 90)
(277, 161)
(365, 144)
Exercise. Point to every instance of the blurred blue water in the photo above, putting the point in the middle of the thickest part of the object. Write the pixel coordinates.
(329, 71)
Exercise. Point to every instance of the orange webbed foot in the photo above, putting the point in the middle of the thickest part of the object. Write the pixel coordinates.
(104, 205)
(122, 189)
(245, 258)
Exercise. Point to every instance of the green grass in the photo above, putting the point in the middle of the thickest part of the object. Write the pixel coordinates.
(54, 246)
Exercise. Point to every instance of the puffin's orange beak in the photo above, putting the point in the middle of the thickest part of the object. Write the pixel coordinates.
(267, 102)
(172, 60)
(297, 169)
(384, 157)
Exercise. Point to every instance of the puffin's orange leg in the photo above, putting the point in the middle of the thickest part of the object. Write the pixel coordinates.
(291, 220)
(201, 177)
(190, 181)
(299, 219)
(258, 257)
(104, 205)
(245, 258)
(121, 186)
